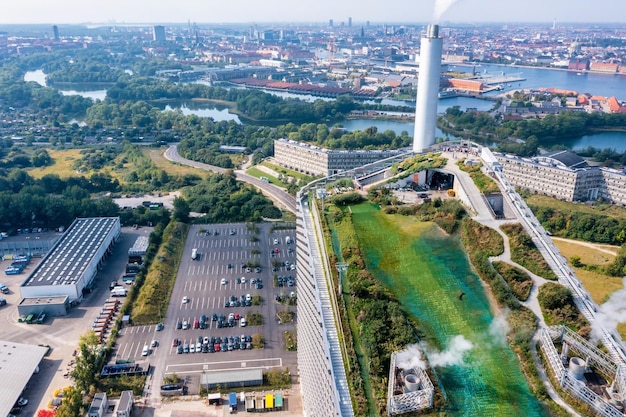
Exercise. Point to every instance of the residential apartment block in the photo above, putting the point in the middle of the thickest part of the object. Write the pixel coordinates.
(313, 160)
(566, 176)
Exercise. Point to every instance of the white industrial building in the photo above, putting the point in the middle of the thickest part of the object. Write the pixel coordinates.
(314, 160)
(564, 175)
(71, 265)
(18, 364)
(98, 405)
(125, 405)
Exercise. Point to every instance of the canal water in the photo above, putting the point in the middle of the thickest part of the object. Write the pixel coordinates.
(535, 77)
(427, 270)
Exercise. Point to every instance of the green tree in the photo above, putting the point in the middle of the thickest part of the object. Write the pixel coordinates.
(87, 362)
(181, 210)
(72, 403)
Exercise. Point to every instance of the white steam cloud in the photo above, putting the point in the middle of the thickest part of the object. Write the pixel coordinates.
(453, 355)
(442, 6)
(499, 329)
(610, 314)
(411, 358)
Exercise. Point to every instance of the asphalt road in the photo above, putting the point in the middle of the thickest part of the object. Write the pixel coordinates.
(200, 281)
(271, 191)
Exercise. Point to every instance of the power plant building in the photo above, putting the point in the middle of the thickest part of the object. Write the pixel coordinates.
(431, 48)
(70, 266)
(323, 380)
(314, 160)
(566, 176)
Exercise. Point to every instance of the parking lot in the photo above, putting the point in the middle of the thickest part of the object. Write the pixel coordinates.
(231, 276)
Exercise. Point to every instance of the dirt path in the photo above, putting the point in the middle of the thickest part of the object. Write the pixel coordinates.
(608, 249)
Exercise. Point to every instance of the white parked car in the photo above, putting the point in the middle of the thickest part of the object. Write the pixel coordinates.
(145, 350)
(223, 282)
(243, 280)
(185, 300)
(243, 322)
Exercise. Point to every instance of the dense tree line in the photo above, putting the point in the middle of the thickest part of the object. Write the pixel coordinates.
(223, 199)
(49, 202)
(582, 226)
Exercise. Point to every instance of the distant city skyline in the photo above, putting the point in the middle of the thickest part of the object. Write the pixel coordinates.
(247, 11)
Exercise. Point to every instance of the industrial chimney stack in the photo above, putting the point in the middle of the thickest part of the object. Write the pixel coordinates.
(431, 48)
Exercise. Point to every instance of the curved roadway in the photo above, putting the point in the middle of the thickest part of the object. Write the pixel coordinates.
(271, 191)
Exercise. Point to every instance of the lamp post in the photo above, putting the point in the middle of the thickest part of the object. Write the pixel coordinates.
(342, 267)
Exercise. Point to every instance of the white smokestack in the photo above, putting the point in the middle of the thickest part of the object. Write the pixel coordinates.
(427, 89)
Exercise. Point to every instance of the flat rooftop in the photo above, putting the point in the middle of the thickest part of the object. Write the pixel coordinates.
(33, 301)
(17, 364)
(65, 263)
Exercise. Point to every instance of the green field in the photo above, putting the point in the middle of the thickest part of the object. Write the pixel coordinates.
(428, 271)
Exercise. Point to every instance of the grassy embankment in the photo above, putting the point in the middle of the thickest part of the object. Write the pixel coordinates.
(485, 184)
(150, 304)
(525, 253)
(520, 283)
(482, 242)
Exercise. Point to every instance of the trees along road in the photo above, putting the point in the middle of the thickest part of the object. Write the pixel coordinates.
(271, 191)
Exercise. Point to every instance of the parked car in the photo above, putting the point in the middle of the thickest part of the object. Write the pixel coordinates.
(185, 300)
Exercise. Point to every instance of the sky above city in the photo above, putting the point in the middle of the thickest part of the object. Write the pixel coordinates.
(405, 11)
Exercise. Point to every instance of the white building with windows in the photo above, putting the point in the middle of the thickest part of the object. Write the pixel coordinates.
(566, 176)
(314, 160)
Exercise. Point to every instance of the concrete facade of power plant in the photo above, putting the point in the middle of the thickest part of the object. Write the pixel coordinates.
(431, 48)
(323, 378)
(566, 176)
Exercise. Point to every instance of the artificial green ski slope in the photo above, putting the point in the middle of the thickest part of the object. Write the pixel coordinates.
(428, 271)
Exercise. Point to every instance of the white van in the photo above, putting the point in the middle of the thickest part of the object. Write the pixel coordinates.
(145, 350)
(194, 254)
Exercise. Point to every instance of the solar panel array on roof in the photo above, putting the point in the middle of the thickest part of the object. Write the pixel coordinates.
(66, 262)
